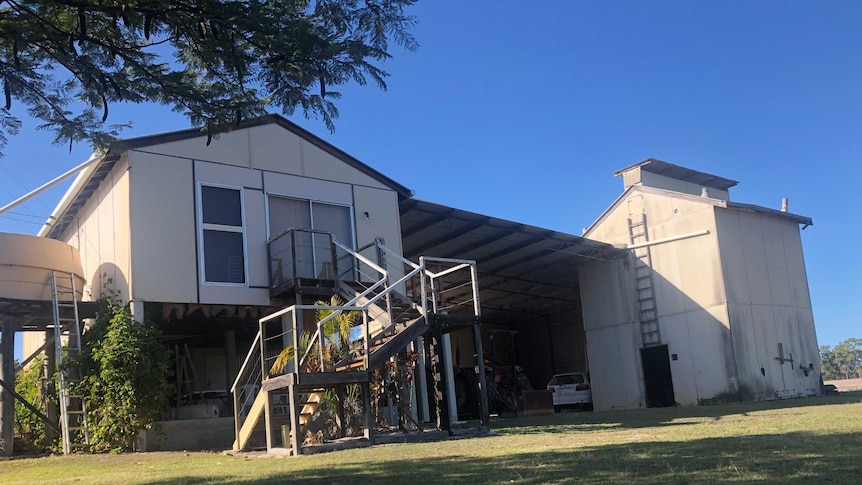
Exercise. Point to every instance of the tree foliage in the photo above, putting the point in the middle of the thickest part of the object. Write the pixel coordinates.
(124, 369)
(844, 361)
(28, 427)
(216, 61)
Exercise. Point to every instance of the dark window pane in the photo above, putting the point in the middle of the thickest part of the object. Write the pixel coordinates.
(287, 213)
(224, 261)
(221, 206)
(334, 219)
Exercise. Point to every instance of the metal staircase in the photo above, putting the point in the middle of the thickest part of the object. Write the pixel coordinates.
(647, 313)
(67, 341)
(390, 322)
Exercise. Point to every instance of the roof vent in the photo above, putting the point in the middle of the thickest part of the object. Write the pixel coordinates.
(784, 204)
(704, 192)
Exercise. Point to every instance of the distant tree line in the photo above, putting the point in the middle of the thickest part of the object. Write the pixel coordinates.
(844, 361)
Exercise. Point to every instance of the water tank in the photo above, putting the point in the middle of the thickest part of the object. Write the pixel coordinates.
(26, 263)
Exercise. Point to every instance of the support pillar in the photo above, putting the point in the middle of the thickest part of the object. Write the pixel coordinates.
(230, 358)
(340, 398)
(450, 378)
(369, 414)
(421, 381)
(7, 375)
(483, 384)
(438, 373)
(136, 307)
(267, 417)
(293, 401)
(49, 365)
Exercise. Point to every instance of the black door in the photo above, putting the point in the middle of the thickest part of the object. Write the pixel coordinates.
(657, 378)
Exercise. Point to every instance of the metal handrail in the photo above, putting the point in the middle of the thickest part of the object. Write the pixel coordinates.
(392, 287)
(426, 276)
(293, 229)
(361, 258)
(318, 334)
(245, 362)
(397, 256)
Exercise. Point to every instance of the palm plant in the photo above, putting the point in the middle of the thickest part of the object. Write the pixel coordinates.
(336, 338)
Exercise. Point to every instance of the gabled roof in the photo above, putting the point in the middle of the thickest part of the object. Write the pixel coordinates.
(806, 221)
(88, 181)
(677, 172)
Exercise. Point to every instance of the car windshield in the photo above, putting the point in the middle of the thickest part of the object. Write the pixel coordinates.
(567, 379)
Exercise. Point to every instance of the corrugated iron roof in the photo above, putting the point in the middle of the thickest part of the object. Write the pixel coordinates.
(522, 268)
(677, 172)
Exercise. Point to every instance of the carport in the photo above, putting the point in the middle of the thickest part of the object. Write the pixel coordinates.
(528, 286)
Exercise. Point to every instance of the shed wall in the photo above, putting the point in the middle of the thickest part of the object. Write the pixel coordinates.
(612, 335)
(100, 232)
(769, 304)
(688, 284)
(164, 258)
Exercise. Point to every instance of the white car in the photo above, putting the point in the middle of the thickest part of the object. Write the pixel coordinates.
(571, 389)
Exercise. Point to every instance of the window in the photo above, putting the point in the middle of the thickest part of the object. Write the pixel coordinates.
(222, 235)
(285, 213)
(312, 252)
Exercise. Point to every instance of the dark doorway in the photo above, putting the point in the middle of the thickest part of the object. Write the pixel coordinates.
(657, 378)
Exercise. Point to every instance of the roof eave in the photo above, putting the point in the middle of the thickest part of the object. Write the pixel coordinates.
(806, 221)
(149, 140)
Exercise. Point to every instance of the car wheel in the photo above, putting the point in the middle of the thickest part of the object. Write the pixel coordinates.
(558, 409)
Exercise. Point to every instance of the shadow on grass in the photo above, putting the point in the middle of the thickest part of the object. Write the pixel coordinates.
(783, 458)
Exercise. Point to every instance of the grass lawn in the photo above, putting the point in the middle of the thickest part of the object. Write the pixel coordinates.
(812, 440)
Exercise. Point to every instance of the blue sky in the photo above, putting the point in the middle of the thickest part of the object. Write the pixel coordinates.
(524, 113)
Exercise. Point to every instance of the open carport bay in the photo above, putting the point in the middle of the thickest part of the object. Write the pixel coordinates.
(528, 287)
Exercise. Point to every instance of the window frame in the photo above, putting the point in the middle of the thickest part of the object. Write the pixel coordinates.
(311, 202)
(202, 226)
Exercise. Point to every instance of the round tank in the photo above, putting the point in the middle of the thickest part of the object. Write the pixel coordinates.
(26, 263)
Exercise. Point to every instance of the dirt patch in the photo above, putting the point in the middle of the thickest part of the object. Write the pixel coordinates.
(847, 385)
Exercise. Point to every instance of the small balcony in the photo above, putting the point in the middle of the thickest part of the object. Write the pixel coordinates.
(306, 261)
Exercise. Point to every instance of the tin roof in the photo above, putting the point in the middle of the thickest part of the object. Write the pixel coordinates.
(677, 172)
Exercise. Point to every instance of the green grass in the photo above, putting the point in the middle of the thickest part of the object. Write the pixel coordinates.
(799, 441)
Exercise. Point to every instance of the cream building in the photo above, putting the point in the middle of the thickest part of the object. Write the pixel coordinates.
(717, 306)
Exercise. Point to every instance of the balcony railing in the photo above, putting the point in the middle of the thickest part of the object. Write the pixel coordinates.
(303, 257)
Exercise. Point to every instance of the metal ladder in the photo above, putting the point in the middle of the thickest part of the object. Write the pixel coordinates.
(647, 313)
(67, 342)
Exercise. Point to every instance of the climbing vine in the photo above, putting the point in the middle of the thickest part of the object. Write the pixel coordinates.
(124, 368)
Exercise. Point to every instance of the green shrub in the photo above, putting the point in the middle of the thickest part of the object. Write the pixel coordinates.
(124, 368)
(29, 428)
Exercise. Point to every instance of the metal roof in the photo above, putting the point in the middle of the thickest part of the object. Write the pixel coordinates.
(522, 268)
(806, 221)
(104, 167)
(677, 172)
